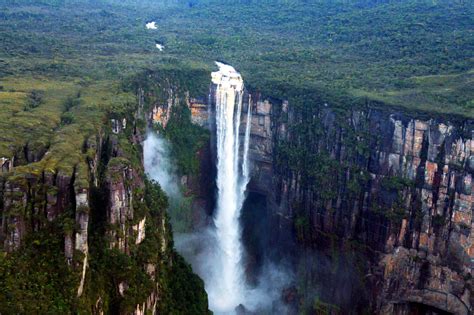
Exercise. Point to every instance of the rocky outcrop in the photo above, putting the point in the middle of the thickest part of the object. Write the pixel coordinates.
(412, 278)
(120, 215)
(161, 112)
(199, 111)
(45, 195)
(198, 184)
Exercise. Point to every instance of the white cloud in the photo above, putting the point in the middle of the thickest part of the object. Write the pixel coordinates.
(151, 25)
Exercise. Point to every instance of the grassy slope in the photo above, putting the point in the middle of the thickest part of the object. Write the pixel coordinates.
(59, 53)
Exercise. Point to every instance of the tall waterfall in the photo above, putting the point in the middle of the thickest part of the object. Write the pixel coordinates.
(227, 289)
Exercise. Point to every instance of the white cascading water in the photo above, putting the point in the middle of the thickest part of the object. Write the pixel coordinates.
(227, 289)
(245, 162)
(221, 267)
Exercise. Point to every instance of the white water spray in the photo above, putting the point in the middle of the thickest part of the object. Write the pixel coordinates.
(227, 289)
(156, 151)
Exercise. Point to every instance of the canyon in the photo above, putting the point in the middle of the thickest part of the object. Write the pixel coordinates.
(369, 208)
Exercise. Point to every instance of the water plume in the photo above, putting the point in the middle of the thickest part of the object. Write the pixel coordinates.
(227, 289)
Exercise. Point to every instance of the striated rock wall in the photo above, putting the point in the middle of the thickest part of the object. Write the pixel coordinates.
(198, 185)
(25, 199)
(400, 185)
(160, 112)
(394, 186)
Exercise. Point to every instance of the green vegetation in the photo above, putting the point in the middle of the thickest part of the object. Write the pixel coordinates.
(180, 291)
(184, 291)
(302, 227)
(67, 67)
(54, 127)
(321, 308)
(64, 63)
(67, 115)
(416, 54)
(24, 119)
(181, 214)
(396, 183)
(186, 139)
(169, 89)
(36, 279)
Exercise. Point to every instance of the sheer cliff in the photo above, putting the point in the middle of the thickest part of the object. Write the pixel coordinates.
(361, 169)
(83, 230)
(396, 186)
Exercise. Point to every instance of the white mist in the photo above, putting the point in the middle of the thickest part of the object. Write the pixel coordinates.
(156, 156)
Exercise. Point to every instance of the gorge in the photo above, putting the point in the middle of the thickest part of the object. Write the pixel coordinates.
(362, 209)
(348, 210)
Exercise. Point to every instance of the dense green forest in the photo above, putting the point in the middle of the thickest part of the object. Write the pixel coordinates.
(417, 54)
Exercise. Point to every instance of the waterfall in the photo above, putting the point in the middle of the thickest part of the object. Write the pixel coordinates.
(245, 162)
(227, 289)
(217, 253)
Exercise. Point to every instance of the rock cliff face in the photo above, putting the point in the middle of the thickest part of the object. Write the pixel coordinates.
(110, 215)
(197, 185)
(399, 185)
(30, 203)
